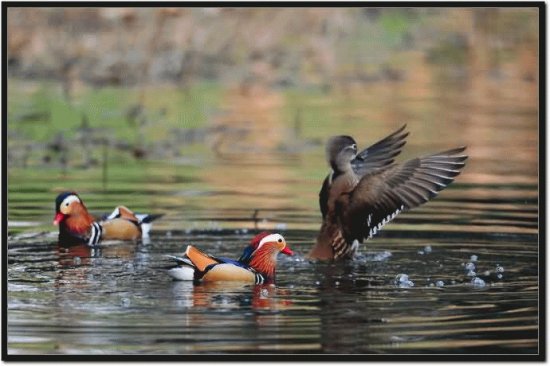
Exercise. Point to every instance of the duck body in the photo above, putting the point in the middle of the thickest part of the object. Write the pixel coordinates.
(77, 225)
(256, 265)
(366, 190)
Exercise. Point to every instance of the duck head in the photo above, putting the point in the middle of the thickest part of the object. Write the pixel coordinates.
(263, 257)
(254, 242)
(71, 213)
(340, 151)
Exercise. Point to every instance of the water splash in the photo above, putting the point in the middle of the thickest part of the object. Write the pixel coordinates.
(402, 281)
(478, 282)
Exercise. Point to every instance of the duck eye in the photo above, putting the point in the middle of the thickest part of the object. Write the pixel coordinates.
(67, 204)
(280, 240)
(354, 146)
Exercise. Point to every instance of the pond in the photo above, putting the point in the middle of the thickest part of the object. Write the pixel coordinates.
(457, 275)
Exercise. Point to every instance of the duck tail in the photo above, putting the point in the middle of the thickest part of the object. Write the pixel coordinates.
(144, 221)
(184, 270)
(147, 219)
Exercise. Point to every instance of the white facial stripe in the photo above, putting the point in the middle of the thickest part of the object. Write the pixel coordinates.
(70, 199)
(270, 238)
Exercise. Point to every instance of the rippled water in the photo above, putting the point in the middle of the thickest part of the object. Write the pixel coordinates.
(458, 275)
(118, 299)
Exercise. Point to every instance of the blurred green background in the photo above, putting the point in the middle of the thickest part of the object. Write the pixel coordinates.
(116, 100)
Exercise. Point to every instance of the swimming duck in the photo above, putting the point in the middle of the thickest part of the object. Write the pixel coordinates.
(366, 190)
(77, 225)
(256, 264)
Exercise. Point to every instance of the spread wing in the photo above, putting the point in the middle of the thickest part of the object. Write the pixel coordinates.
(380, 154)
(378, 198)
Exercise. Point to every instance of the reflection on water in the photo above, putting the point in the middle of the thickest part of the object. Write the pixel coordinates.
(471, 256)
(117, 298)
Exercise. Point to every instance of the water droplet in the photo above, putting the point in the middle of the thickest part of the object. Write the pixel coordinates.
(432, 285)
(473, 258)
(471, 274)
(477, 282)
(317, 282)
(470, 266)
(428, 249)
(499, 276)
(440, 283)
(402, 280)
(377, 257)
(77, 260)
(125, 302)
(402, 277)
(499, 269)
(420, 252)
(337, 283)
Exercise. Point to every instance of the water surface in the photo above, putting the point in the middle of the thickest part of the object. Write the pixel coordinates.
(458, 275)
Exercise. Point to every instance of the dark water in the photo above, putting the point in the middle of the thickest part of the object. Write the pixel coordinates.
(117, 299)
(471, 255)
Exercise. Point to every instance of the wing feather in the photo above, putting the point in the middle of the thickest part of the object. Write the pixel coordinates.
(380, 196)
(380, 154)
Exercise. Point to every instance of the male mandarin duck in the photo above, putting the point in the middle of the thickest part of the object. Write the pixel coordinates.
(256, 264)
(76, 224)
(366, 190)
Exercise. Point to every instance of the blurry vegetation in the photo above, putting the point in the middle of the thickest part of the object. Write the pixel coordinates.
(276, 46)
(153, 83)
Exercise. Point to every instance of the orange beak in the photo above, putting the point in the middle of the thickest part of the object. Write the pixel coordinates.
(58, 218)
(286, 250)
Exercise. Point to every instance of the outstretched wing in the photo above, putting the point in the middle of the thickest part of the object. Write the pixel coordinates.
(378, 198)
(380, 154)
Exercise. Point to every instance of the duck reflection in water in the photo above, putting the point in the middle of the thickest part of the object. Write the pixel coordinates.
(230, 295)
(75, 262)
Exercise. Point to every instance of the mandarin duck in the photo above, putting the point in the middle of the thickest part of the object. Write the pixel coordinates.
(76, 224)
(366, 190)
(256, 265)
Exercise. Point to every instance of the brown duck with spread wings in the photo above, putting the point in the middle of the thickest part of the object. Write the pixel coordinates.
(366, 190)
